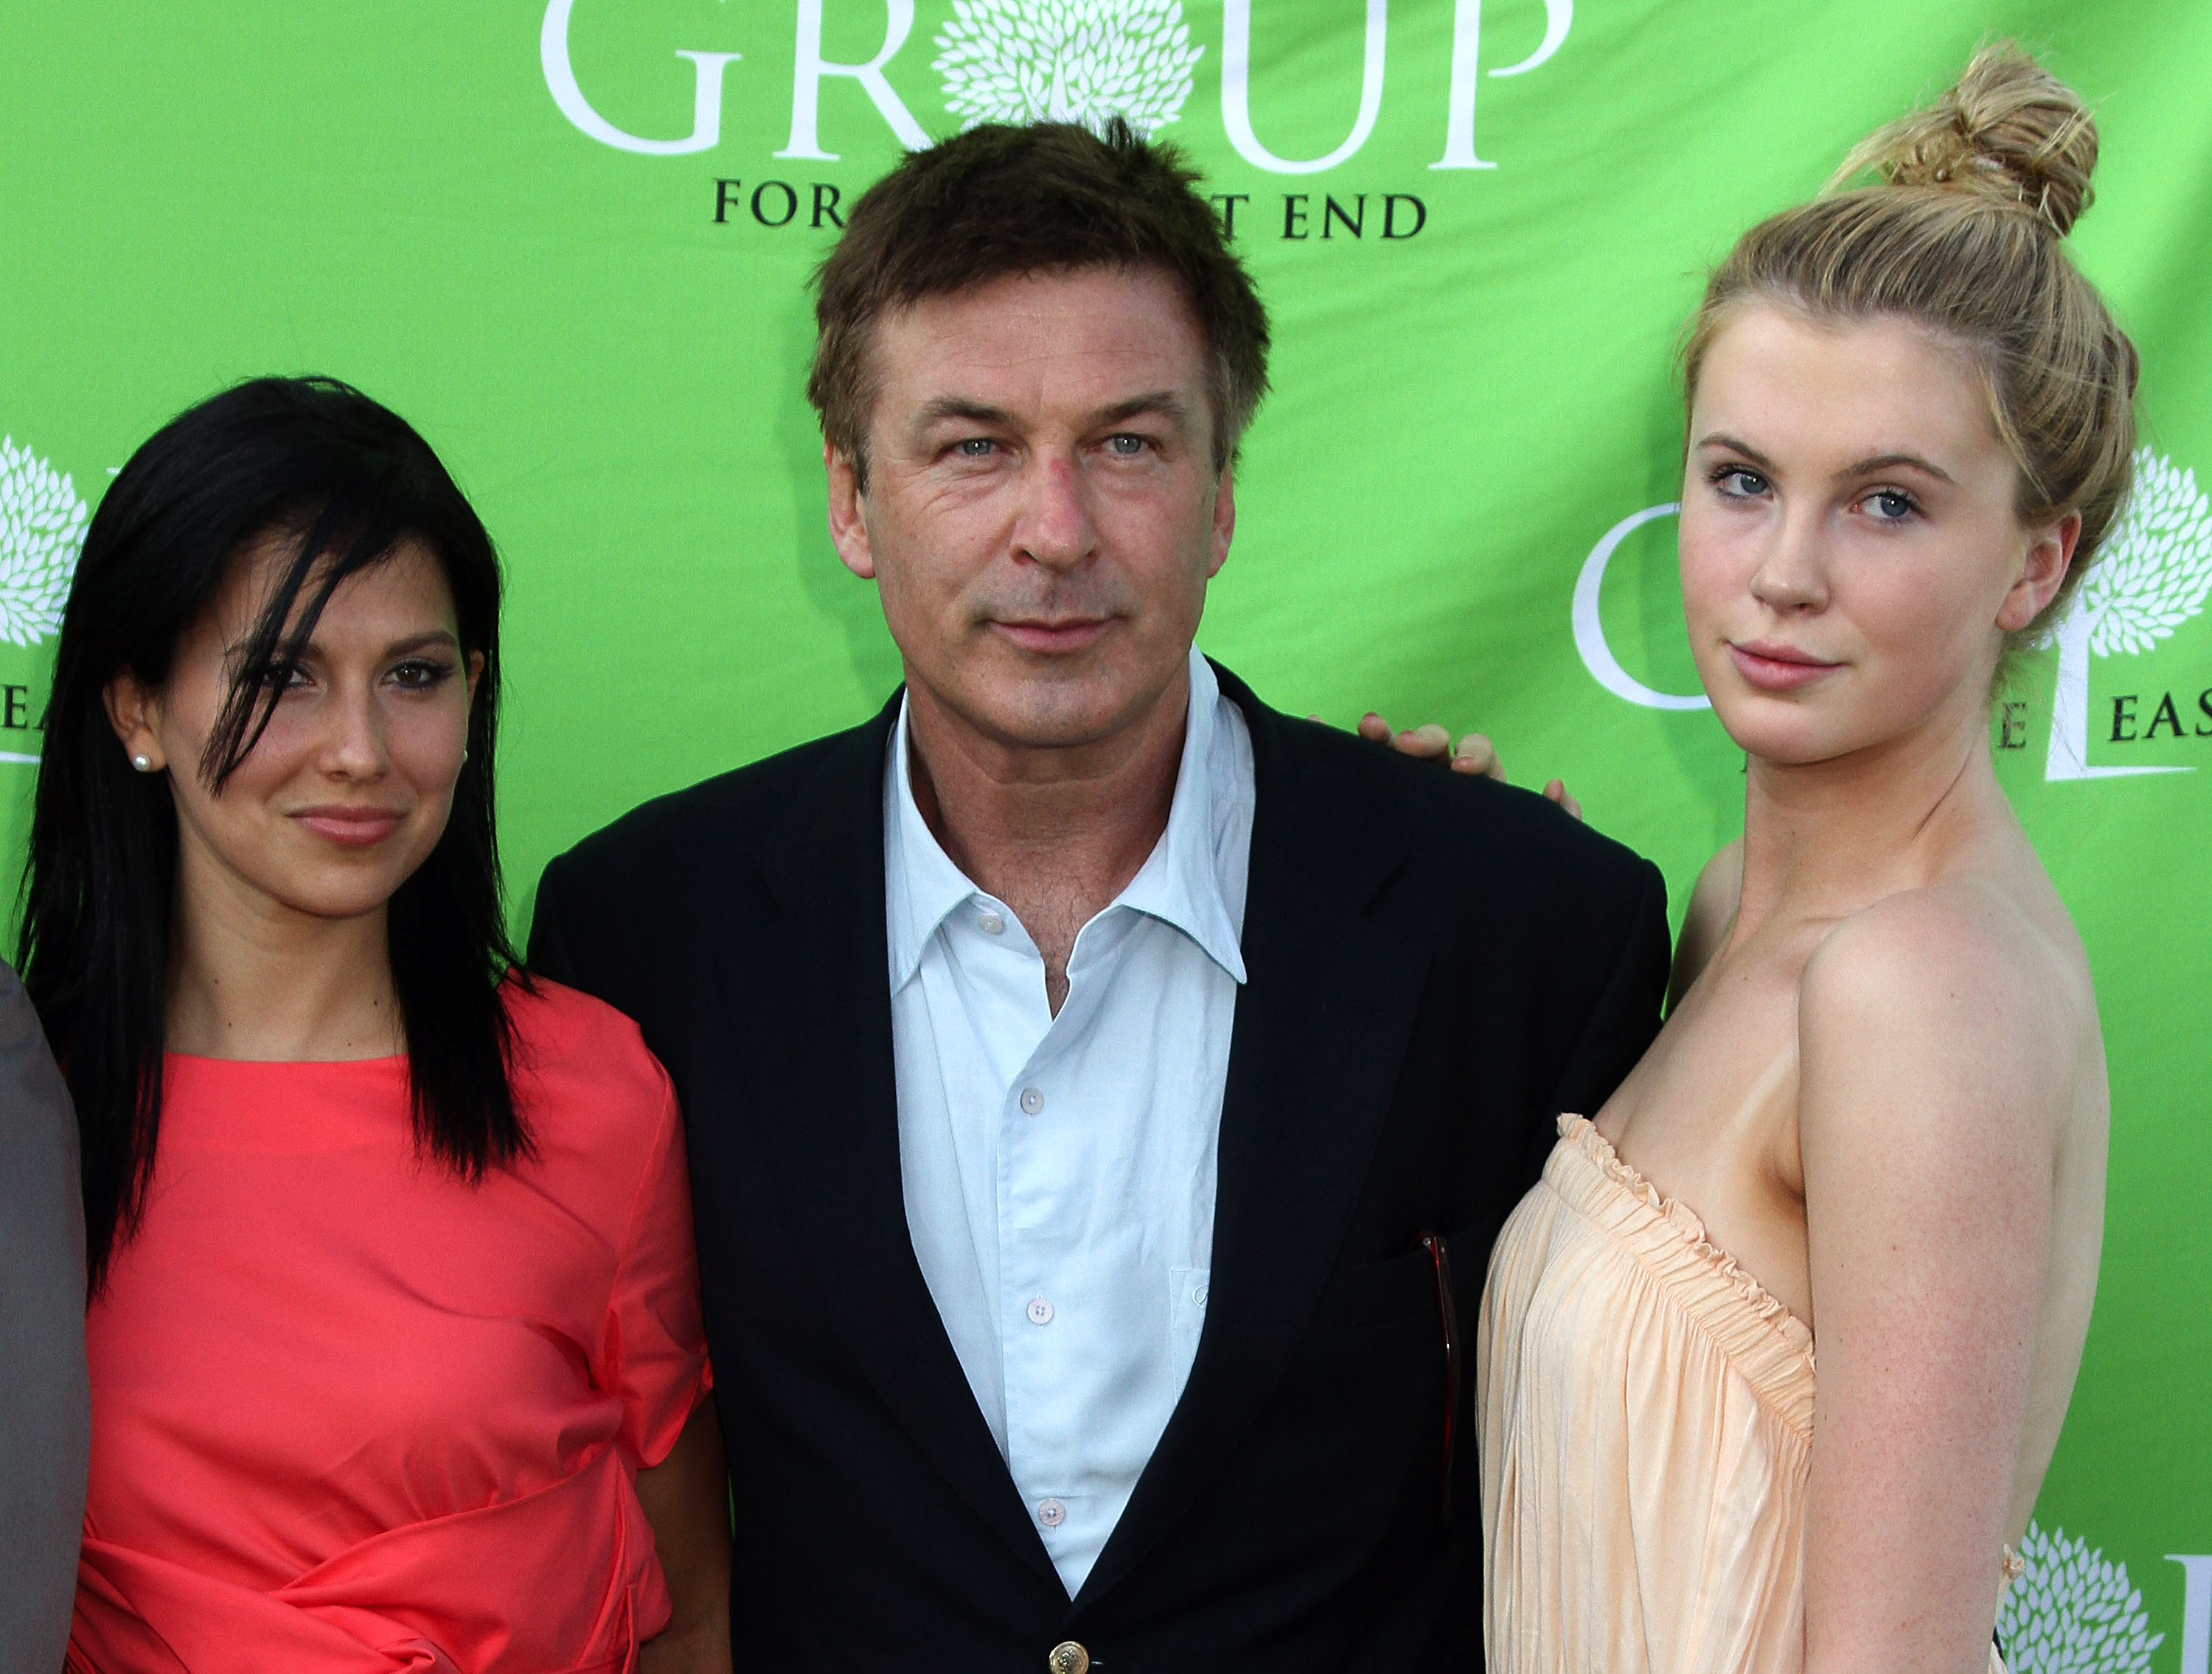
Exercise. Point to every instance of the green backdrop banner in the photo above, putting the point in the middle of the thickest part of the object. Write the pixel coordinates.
(569, 240)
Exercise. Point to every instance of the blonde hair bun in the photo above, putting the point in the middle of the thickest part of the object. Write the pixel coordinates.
(1963, 233)
(2010, 131)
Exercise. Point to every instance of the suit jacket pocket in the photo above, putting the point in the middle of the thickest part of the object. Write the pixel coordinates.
(1383, 1293)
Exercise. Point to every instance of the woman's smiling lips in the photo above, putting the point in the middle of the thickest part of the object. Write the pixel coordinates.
(1074, 634)
(348, 826)
(1775, 668)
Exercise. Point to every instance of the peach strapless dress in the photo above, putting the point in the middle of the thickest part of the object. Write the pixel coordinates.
(1647, 1428)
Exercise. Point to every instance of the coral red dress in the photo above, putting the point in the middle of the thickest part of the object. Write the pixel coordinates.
(352, 1415)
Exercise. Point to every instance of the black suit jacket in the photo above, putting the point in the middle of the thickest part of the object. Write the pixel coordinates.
(1437, 965)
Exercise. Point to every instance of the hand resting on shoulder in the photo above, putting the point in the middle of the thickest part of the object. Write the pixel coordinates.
(1474, 754)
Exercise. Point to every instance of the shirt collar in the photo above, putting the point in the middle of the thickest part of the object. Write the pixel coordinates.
(922, 885)
(1182, 881)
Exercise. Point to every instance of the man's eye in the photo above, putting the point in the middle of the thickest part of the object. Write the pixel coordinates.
(975, 447)
(1126, 446)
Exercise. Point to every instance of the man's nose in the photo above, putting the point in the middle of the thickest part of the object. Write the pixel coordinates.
(1054, 526)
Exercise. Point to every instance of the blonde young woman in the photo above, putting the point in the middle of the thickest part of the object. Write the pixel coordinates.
(1876, 1118)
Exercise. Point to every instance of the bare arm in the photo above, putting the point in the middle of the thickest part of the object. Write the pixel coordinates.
(686, 1498)
(1934, 1087)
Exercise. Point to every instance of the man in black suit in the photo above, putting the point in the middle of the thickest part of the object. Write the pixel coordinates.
(1103, 1091)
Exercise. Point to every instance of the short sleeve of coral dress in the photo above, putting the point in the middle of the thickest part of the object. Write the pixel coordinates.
(353, 1414)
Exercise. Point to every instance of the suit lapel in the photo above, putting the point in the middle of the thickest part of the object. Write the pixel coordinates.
(1321, 1024)
(818, 995)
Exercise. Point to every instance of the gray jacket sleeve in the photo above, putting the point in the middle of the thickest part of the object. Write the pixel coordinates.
(42, 1379)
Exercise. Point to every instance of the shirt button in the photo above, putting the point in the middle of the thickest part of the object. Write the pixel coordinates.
(1041, 1314)
(1051, 1513)
(1032, 1101)
(991, 924)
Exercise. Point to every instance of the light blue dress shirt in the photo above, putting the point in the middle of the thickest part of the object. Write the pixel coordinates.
(1059, 1171)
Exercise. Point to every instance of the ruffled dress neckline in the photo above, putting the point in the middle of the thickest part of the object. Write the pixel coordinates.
(1767, 1343)
(1646, 1410)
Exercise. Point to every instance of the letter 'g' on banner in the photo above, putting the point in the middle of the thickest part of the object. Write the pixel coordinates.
(561, 81)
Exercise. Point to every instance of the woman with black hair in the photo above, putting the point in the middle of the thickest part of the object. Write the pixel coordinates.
(394, 1332)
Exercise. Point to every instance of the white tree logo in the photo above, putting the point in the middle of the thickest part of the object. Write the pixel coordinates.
(2071, 1612)
(41, 527)
(1066, 61)
(2153, 574)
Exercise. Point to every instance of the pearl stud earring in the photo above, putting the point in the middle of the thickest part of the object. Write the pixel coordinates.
(144, 763)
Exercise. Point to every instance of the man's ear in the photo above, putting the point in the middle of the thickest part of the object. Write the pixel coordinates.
(1224, 520)
(135, 712)
(2042, 575)
(848, 523)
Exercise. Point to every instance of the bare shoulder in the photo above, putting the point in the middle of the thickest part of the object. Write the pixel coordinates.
(1963, 942)
(1713, 902)
(1719, 886)
(1962, 994)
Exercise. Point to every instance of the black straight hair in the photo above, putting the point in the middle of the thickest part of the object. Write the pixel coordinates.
(314, 463)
